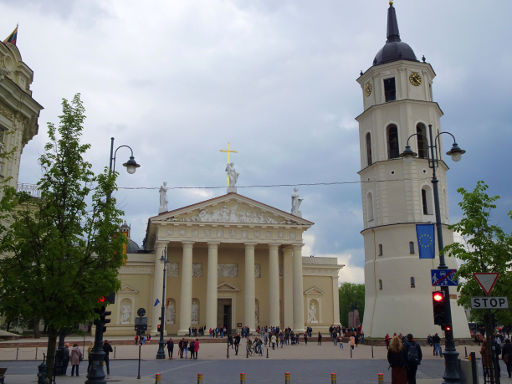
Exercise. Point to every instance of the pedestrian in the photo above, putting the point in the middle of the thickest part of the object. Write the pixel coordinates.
(352, 341)
(397, 361)
(107, 348)
(136, 339)
(305, 338)
(89, 357)
(237, 343)
(319, 338)
(436, 340)
(185, 348)
(170, 347)
(340, 341)
(196, 348)
(181, 345)
(414, 356)
(76, 357)
(386, 340)
(273, 341)
(506, 355)
(191, 348)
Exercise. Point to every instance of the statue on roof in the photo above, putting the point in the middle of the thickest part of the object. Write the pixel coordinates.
(163, 198)
(296, 201)
(232, 177)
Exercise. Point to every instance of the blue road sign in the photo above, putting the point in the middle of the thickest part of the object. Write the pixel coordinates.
(443, 277)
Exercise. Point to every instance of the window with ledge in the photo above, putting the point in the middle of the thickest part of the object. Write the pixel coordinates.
(421, 130)
(380, 250)
(390, 89)
(392, 136)
(413, 283)
(426, 200)
(411, 247)
(369, 149)
(380, 284)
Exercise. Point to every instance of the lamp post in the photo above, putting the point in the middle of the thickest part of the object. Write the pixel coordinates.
(161, 353)
(95, 373)
(451, 373)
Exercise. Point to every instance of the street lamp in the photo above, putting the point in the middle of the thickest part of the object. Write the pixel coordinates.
(451, 373)
(161, 353)
(95, 374)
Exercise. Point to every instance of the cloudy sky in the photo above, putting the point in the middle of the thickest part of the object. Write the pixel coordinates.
(177, 79)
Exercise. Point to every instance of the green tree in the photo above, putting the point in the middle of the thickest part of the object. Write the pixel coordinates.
(349, 295)
(61, 252)
(486, 248)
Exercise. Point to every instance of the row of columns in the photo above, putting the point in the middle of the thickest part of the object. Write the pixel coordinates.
(293, 300)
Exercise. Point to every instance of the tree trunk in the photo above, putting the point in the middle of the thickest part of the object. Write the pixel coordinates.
(37, 332)
(50, 351)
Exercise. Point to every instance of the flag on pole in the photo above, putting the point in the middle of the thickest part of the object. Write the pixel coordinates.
(156, 303)
(12, 37)
(426, 240)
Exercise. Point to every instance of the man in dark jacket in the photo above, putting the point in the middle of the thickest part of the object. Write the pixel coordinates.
(414, 356)
(107, 348)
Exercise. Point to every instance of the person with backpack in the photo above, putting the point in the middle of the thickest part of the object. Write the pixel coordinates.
(414, 356)
(397, 361)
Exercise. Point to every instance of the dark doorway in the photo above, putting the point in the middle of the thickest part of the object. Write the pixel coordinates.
(224, 313)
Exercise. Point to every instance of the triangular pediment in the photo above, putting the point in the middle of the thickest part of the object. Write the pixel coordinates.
(231, 209)
(127, 290)
(313, 291)
(226, 287)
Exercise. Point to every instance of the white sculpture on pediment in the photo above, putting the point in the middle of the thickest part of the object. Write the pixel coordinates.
(163, 198)
(296, 201)
(234, 214)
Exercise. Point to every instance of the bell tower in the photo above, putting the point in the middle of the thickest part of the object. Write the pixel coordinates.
(397, 192)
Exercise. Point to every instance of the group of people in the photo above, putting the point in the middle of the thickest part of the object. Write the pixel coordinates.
(184, 347)
(404, 356)
(75, 357)
(500, 348)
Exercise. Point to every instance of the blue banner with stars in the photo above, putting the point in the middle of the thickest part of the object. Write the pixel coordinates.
(426, 240)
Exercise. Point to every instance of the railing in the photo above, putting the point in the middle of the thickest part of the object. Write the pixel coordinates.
(31, 189)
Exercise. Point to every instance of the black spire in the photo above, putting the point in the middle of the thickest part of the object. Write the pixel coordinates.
(394, 49)
(393, 34)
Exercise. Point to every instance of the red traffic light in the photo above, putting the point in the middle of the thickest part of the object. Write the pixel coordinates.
(437, 296)
(101, 299)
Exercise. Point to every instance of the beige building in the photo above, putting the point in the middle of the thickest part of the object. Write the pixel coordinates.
(18, 112)
(233, 261)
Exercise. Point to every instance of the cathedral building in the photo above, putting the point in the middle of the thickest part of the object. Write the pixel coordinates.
(397, 192)
(232, 261)
(19, 112)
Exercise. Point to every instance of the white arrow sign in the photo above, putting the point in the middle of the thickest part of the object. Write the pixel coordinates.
(486, 280)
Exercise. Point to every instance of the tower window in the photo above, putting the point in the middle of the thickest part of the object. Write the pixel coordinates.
(380, 250)
(390, 89)
(413, 283)
(411, 247)
(421, 130)
(368, 148)
(392, 135)
(380, 284)
(426, 200)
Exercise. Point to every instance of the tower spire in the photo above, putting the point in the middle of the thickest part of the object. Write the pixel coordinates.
(392, 33)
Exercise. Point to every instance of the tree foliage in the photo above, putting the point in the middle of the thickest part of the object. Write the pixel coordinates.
(351, 294)
(62, 251)
(486, 248)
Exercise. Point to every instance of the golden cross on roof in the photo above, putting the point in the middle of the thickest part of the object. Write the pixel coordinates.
(229, 150)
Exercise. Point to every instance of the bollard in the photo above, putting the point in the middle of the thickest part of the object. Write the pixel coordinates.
(36, 354)
(115, 351)
(157, 377)
(17, 350)
(372, 351)
(242, 378)
(227, 351)
(350, 351)
(465, 352)
(380, 378)
(267, 352)
(473, 368)
(287, 378)
(333, 378)
(199, 378)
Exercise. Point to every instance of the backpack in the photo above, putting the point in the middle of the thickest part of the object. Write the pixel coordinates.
(413, 356)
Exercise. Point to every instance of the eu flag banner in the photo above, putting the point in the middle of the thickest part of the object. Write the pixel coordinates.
(426, 240)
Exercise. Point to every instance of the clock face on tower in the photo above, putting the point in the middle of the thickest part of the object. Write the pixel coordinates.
(415, 78)
(368, 89)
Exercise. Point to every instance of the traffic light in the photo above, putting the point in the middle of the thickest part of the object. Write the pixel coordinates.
(438, 305)
(104, 320)
(159, 327)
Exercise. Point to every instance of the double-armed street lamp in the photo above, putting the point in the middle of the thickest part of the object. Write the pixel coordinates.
(161, 353)
(95, 374)
(451, 373)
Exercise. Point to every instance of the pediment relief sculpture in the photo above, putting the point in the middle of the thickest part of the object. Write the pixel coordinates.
(313, 291)
(127, 290)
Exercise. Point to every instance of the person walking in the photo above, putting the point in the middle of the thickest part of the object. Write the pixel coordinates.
(397, 361)
(436, 340)
(76, 357)
(107, 348)
(196, 348)
(506, 355)
(352, 342)
(386, 340)
(319, 338)
(170, 347)
(414, 357)
(273, 341)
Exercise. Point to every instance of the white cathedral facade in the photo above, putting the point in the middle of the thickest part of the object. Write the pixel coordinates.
(397, 192)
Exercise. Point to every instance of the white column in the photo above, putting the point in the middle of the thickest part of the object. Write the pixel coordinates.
(273, 284)
(288, 287)
(211, 286)
(158, 284)
(249, 303)
(336, 297)
(186, 289)
(298, 290)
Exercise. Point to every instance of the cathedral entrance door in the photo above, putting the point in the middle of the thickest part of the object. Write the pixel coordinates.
(224, 313)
